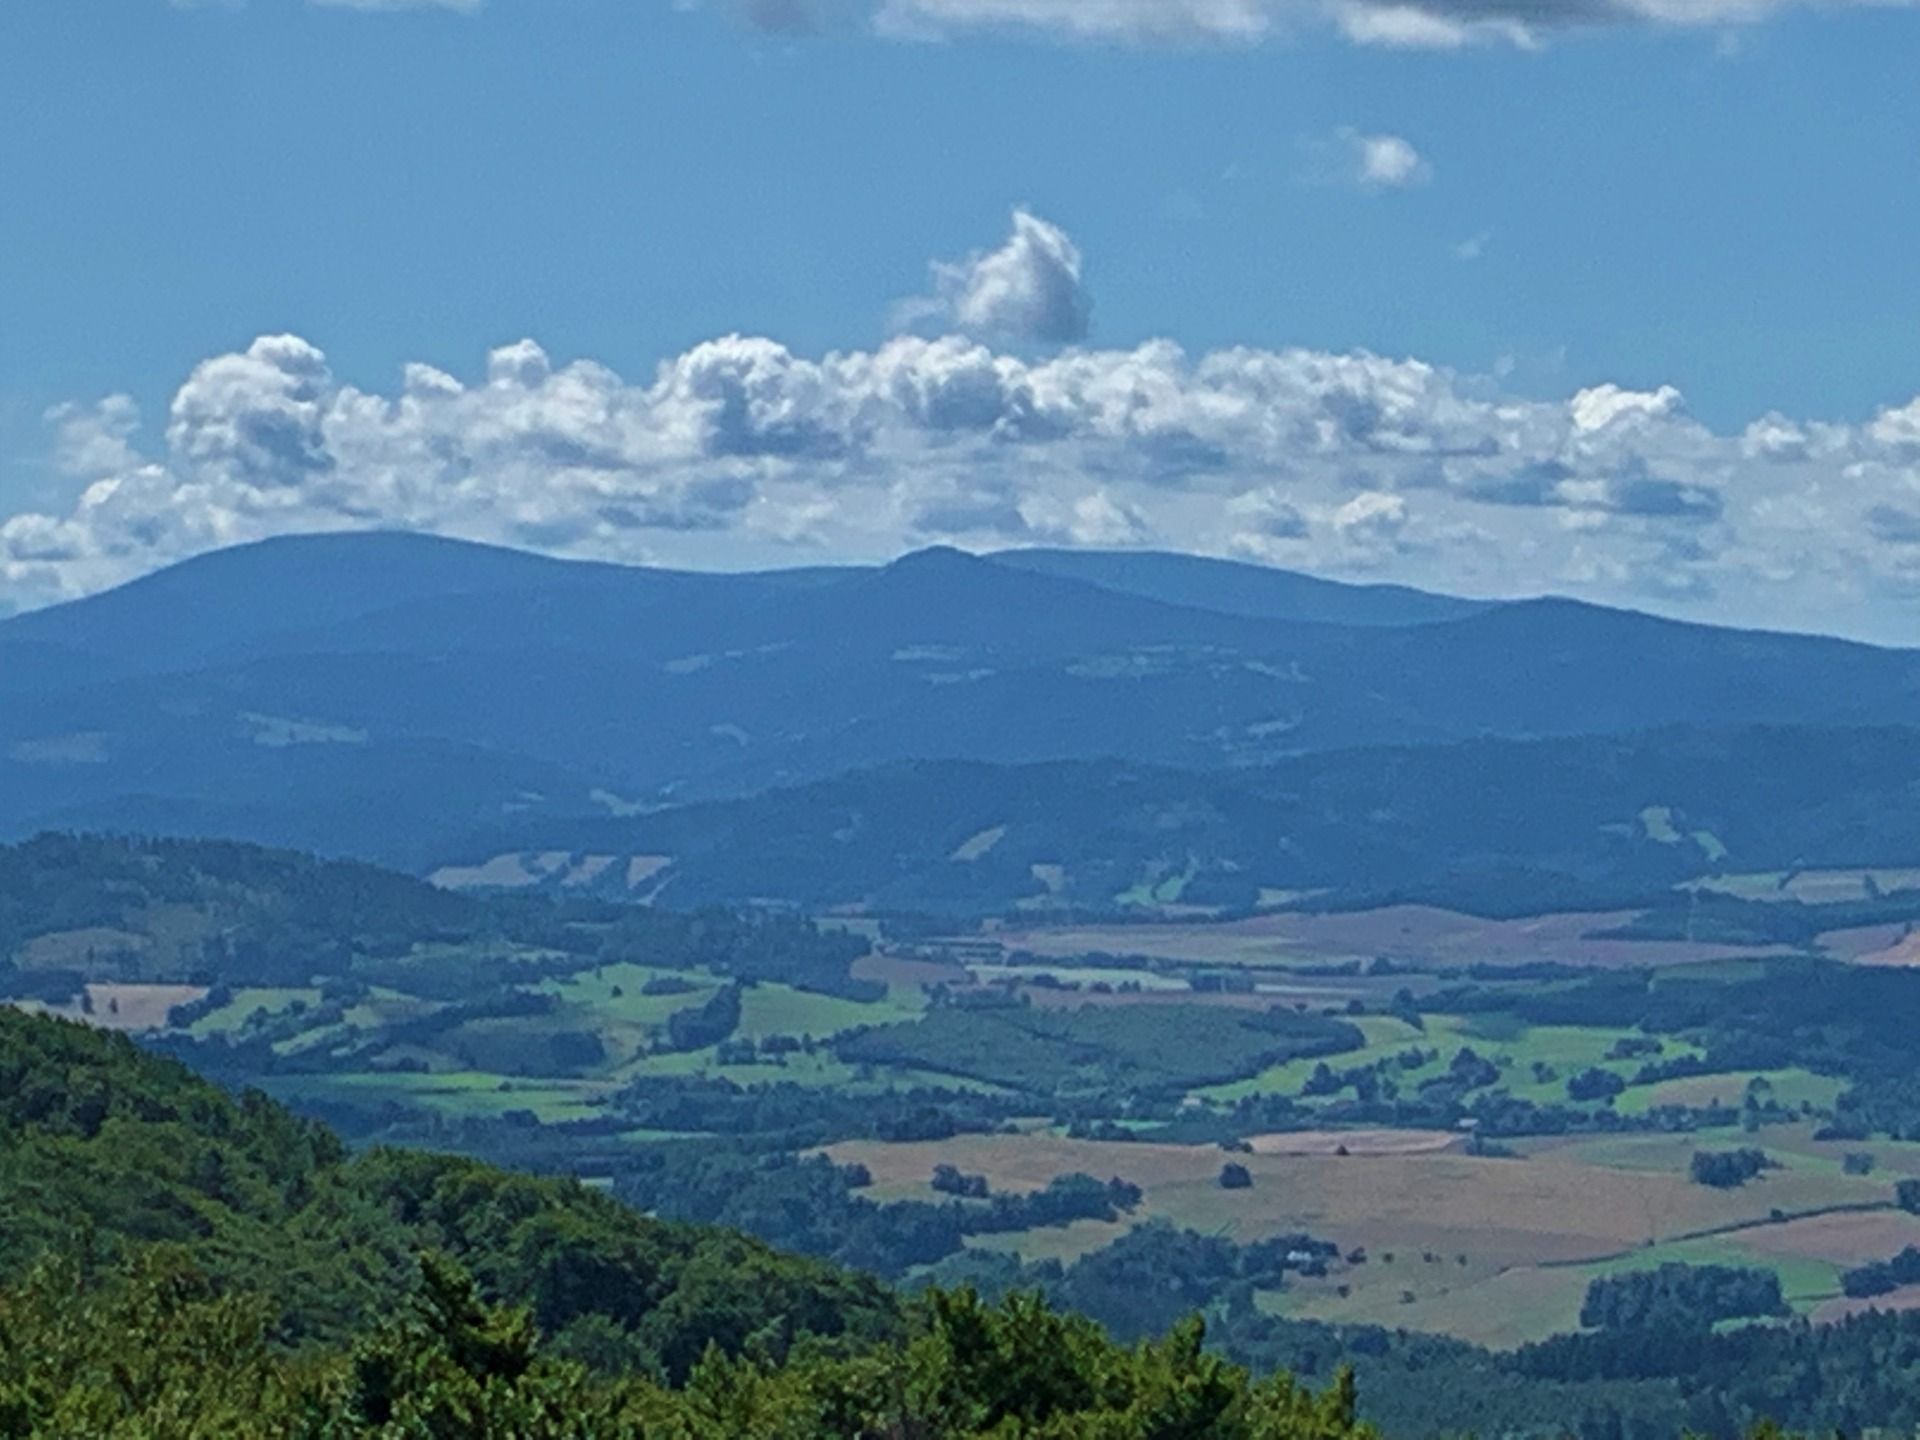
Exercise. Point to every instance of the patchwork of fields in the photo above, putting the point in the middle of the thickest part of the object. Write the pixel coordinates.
(1484, 1116)
(1496, 1251)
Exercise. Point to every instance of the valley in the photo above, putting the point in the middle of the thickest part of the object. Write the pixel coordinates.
(1444, 1045)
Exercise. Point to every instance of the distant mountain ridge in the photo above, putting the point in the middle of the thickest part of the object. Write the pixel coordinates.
(1235, 588)
(386, 694)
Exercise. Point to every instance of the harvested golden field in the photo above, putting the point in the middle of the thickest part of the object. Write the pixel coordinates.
(1402, 931)
(1554, 1208)
(1844, 1239)
(1897, 945)
(1355, 1142)
(903, 970)
(126, 1007)
(1496, 1251)
(1834, 1311)
(1025, 1162)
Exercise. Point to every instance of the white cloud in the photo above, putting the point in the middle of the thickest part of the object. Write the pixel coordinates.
(1133, 20)
(95, 440)
(1370, 527)
(1397, 24)
(1402, 24)
(740, 451)
(1028, 290)
(1473, 247)
(1603, 405)
(1384, 162)
(1899, 429)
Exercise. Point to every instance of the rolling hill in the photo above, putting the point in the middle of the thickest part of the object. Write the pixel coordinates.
(1497, 826)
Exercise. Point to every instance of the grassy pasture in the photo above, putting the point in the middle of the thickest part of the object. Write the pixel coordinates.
(610, 1002)
(616, 992)
(1385, 1036)
(1791, 1088)
(231, 1016)
(1805, 1280)
(781, 1010)
(819, 1069)
(1566, 1049)
(455, 1095)
(387, 1007)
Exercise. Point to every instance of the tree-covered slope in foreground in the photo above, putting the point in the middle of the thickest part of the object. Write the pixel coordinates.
(176, 1263)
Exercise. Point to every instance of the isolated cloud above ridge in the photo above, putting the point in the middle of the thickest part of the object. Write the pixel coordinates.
(1027, 291)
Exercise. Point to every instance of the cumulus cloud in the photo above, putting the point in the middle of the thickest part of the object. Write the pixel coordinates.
(1028, 290)
(1136, 20)
(740, 451)
(1371, 526)
(1473, 247)
(1403, 24)
(1384, 162)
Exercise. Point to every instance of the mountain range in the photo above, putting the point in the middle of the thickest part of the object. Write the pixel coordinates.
(411, 698)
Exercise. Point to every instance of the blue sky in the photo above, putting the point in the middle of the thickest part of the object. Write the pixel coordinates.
(1725, 208)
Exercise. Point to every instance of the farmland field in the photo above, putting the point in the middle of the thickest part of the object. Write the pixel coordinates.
(1813, 887)
(458, 1095)
(1462, 1126)
(127, 1007)
(1436, 936)
(1491, 1250)
(1792, 1088)
(1557, 1050)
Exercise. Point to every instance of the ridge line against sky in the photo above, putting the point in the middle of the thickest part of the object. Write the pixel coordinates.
(997, 428)
(1593, 309)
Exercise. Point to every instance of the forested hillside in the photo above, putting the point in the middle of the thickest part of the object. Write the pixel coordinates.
(1497, 826)
(174, 1262)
